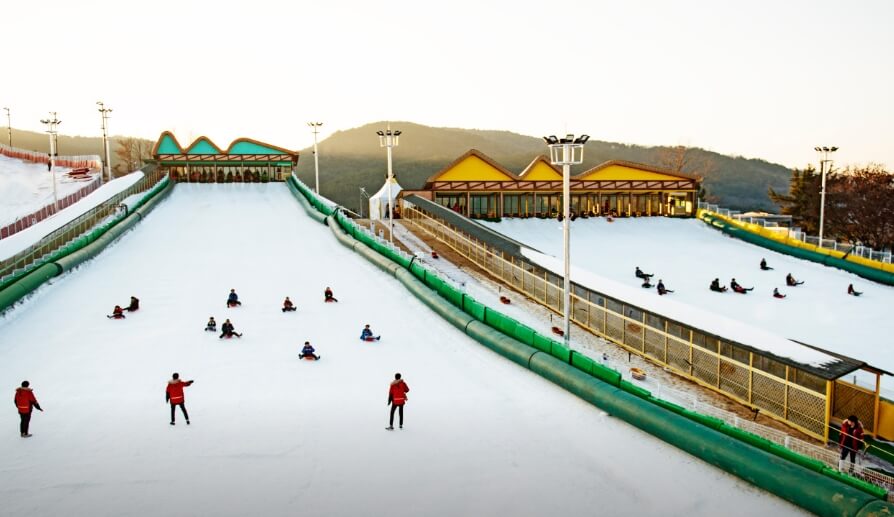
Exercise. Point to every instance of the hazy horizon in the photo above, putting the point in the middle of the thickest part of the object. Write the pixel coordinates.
(765, 80)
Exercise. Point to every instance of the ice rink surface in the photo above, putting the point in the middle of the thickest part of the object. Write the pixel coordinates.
(274, 435)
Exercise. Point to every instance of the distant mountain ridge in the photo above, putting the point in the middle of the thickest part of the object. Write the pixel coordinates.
(352, 158)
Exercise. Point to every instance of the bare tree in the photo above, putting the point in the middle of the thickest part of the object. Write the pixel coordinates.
(691, 161)
(132, 153)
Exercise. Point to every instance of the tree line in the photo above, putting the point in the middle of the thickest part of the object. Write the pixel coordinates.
(859, 204)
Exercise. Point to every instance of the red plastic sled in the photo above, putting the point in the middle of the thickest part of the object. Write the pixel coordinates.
(434, 254)
(504, 300)
(557, 331)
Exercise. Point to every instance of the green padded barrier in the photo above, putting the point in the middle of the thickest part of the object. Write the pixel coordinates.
(633, 389)
(454, 316)
(705, 420)
(813, 491)
(305, 204)
(560, 352)
(543, 343)
(670, 406)
(582, 363)
(856, 483)
(877, 509)
(524, 333)
(473, 308)
(606, 374)
(503, 345)
(26, 284)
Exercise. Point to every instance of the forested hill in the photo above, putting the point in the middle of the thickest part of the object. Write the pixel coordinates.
(351, 159)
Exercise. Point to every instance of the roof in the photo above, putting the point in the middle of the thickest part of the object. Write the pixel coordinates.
(634, 165)
(167, 144)
(471, 152)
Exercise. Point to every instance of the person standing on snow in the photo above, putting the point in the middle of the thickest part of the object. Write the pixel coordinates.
(397, 397)
(25, 402)
(174, 395)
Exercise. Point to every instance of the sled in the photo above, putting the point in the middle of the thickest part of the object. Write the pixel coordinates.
(557, 331)
(308, 358)
(638, 374)
(372, 338)
(504, 300)
(329, 300)
(434, 254)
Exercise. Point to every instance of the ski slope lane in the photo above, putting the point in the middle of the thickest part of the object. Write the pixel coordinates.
(688, 254)
(274, 435)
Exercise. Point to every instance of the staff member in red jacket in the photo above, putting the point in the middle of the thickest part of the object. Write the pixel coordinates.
(174, 395)
(397, 397)
(850, 439)
(25, 402)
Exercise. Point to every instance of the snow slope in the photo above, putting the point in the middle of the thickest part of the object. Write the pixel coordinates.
(26, 187)
(273, 435)
(687, 255)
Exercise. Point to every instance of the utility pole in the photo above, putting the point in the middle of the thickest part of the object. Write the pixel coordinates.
(104, 112)
(316, 126)
(52, 125)
(389, 139)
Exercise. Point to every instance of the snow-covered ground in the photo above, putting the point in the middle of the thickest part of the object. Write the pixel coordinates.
(273, 435)
(22, 240)
(26, 187)
(688, 254)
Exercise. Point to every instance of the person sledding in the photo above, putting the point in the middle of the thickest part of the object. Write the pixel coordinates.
(662, 290)
(228, 330)
(233, 299)
(211, 326)
(646, 284)
(853, 292)
(735, 286)
(287, 305)
(367, 334)
(117, 313)
(307, 352)
(327, 296)
(134, 304)
(639, 274)
(791, 282)
(777, 294)
(715, 286)
(764, 266)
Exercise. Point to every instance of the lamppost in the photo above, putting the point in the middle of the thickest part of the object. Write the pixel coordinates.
(566, 152)
(824, 153)
(363, 194)
(316, 126)
(389, 139)
(104, 112)
(52, 124)
(8, 126)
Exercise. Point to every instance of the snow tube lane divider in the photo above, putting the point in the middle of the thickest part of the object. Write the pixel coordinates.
(305, 204)
(796, 478)
(803, 251)
(808, 488)
(81, 249)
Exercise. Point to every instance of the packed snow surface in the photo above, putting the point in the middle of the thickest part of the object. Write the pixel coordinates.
(22, 240)
(688, 254)
(275, 435)
(26, 187)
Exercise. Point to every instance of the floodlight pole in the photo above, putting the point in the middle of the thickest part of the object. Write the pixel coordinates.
(8, 126)
(51, 131)
(566, 152)
(824, 153)
(389, 139)
(316, 127)
(104, 112)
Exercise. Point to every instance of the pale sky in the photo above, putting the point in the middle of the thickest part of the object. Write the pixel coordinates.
(761, 79)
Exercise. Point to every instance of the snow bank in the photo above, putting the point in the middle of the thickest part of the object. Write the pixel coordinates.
(27, 187)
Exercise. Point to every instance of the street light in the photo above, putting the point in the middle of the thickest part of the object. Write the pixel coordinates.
(52, 124)
(389, 139)
(824, 154)
(105, 139)
(566, 152)
(363, 194)
(316, 126)
(8, 126)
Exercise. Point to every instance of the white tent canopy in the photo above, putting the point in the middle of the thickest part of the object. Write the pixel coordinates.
(379, 202)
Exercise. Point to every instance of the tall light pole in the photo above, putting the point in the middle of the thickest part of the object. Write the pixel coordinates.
(316, 126)
(104, 112)
(389, 139)
(363, 194)
(52, 125)
(8, 126)
(566, 152)
(824, 158)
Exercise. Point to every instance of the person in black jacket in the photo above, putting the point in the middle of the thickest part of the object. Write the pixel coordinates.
(735, 286)
(764, 266)
(791, 282)
(662, 290)
(134, 304)
(227, 330)
(715, 286)
(639, 274)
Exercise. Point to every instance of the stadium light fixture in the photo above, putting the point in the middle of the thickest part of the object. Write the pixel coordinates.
(316, 126)
(566, 152)
(104, 112)
(389, 139)
(52, 125)
(824, 151)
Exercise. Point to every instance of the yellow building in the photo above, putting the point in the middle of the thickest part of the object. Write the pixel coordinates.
(478, 187)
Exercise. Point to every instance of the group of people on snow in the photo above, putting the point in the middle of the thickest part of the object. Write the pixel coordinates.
(118, 312)
(647, 284)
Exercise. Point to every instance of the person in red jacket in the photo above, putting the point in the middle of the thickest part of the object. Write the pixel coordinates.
(850, 440)
(25, 402)
(174, 395)
(397, 397)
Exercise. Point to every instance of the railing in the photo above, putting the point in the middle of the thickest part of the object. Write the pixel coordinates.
(91, 161)
(39, 215)
(797, 234)
(29, 258)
